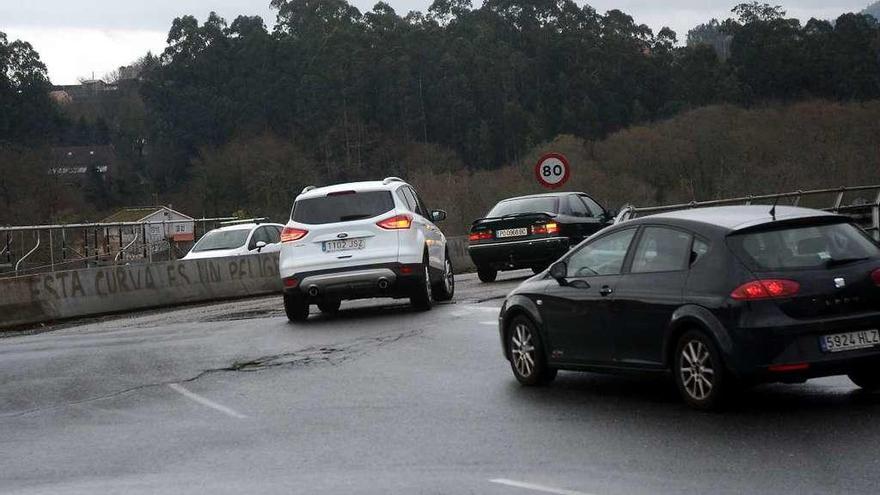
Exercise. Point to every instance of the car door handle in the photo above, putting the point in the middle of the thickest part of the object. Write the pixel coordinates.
(606, 291)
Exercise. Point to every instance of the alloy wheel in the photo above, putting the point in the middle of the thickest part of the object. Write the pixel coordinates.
(697, 371)
(522, 350)
(448, 278)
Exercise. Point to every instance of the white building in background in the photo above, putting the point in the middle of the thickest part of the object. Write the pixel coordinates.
(162, 227)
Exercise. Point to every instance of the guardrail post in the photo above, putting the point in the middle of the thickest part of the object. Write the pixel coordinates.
(51, 252)
(839, 200)
(876, 217)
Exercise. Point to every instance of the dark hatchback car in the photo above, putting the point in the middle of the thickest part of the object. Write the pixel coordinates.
(719, 297)
(533, 231)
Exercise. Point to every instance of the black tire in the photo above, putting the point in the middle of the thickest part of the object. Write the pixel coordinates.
(525, 351)
(330, 307)
(296, 307)
(444, 289)
(699, 372)
(866, 378)
(422, 298)
(487, 274)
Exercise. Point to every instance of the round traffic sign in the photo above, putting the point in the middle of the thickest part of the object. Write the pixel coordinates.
(552, 170)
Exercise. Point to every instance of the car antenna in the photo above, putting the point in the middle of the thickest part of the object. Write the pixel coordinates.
(773, 209)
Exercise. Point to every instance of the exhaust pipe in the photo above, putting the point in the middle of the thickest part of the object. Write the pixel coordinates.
(383, 283)
(313, 291)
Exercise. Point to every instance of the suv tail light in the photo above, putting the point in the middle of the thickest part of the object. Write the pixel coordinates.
(875, 276)
(481, 235)
(765, 289)
(290, 234)
(399, 222)
(549, 228)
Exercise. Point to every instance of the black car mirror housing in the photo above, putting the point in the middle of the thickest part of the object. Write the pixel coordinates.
(438, 215)
(559, 271)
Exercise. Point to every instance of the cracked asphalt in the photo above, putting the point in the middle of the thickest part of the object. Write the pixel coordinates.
(231, 398)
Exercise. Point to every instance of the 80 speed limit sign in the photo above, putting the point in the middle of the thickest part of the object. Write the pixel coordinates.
(552, 170)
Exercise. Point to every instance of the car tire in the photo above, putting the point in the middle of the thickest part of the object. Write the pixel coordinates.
(525, 351)
(867, 379)
(421, 298)
(444, 289)
(699, 371)
(296, 307)
(330, 307)
(487, 274)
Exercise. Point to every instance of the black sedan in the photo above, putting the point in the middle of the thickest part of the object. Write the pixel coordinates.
(533, 231)
(718, 297)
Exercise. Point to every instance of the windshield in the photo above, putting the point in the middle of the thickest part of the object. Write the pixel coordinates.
(545, 204)
(221, 239)
(342, 207)
(804, 247)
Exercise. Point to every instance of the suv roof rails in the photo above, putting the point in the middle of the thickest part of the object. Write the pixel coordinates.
(389, 180)
(307, 189)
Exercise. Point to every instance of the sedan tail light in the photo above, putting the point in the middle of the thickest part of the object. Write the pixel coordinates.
(481, 235)
(399, 222)
(290, 234)
(549, 228)
(765, 289)
(875, 276)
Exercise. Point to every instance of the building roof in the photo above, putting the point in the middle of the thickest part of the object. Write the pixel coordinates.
(136, 214)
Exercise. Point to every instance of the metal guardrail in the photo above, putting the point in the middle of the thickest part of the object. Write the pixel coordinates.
(866, 211)
(88, 244)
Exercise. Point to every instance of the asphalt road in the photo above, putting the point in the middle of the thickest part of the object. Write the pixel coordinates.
(230, 398)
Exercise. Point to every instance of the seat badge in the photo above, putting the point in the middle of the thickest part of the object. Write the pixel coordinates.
(839, 282)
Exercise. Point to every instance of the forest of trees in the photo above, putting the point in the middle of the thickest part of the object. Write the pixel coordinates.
(239, 116)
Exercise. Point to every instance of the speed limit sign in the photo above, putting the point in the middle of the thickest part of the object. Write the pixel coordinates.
(552, 170)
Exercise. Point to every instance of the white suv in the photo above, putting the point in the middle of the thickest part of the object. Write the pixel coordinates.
(363, 240)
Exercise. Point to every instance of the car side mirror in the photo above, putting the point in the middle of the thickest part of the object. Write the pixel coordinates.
(260, 246)
(559, 271)
(438, 215)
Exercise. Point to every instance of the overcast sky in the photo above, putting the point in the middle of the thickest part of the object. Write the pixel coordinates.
(76, 38)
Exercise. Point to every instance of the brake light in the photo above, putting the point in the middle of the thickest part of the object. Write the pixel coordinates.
(481, 235)
(787, 368)
(549, 228)
(291, 283)
(765, 289)
(398, 222)
(290, 234)
(875, 276)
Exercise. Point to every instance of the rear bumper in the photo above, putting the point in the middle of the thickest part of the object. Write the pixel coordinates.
(794, 352)
(508, 255)
(359, 282)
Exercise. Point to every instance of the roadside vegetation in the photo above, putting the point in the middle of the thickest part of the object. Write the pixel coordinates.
(238, 117)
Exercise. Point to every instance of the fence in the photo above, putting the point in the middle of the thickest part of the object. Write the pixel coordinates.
(862, 203)
(46, 248)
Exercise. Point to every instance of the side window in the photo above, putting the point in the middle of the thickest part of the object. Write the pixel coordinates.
(661, 250)
(274, 234)
(699, 250)
(411, 202)
(603, 256)
(425, 212)
(577, 207)
(595, 209)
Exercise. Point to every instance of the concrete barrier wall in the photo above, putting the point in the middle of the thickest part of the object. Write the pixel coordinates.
(96, 291)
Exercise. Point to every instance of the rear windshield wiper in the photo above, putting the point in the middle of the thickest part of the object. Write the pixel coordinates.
(843, 261)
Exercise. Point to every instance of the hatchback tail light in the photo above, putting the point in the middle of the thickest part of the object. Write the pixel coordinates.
(549, 228)
(399, 222)
(765, 289)
(290, 234)
(481, 235)
(875, 276)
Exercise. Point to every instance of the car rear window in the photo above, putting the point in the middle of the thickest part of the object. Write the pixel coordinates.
(344, 207)
(804, 247)
(525, 205)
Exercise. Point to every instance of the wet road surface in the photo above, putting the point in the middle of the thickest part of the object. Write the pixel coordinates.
(231, 398)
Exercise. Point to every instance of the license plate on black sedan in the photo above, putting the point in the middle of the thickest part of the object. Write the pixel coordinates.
(850, 341)
(343, 245)
(503, 234)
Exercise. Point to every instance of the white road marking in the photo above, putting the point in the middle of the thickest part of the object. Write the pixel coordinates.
(537, 488)
(491, 323)
(205, 402)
